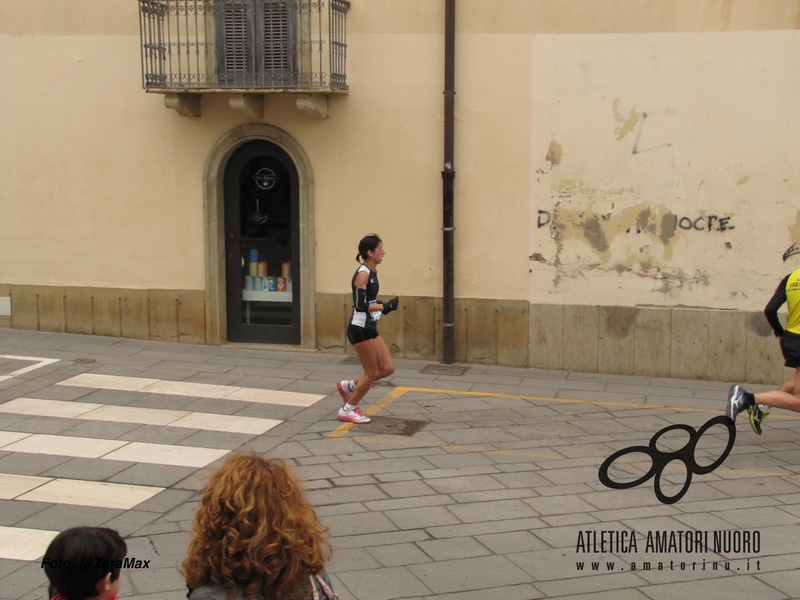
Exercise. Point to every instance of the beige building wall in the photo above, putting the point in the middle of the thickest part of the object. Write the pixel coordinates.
(608, 153)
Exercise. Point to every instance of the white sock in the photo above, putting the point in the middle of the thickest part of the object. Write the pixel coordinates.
(348, 407)
(351, 386)
(763, 407)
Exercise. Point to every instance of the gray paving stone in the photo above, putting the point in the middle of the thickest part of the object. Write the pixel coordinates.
(477, 529)
(511, 542)
(353, 559)
(719, 588)
(398, 555)
(23, 581)
(524, 591)
(360, 493)
(46, 425)
(404, 503)
(470, 574)
(497, 510)
(384, 584)
(344, 525)
(61, 516)
(12, 513)
(22, 463)
(379, 538)
(157, 475)
(453, 548)
(99, 429)
(423, 517)
(157, 581)
(87, 468)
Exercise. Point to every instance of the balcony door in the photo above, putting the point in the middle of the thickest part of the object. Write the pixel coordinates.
(255, 43)
(262, 245)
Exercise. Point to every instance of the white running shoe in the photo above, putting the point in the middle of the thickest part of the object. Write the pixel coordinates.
(353, 416)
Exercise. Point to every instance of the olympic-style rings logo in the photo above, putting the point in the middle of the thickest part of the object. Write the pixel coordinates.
(662, 459)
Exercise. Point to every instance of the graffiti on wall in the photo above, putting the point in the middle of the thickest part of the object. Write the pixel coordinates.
(694, 223)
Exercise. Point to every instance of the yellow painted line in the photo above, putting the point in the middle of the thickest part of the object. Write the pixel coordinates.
(343, 429)
(575, 401)
(371, 411)
(398, 392)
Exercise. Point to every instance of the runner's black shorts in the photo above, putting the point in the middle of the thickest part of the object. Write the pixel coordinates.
(790, 347)
(356, 334)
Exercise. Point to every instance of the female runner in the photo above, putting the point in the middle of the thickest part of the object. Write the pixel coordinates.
(362, 332)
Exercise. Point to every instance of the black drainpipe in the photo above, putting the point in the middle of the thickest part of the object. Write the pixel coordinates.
(448, 175)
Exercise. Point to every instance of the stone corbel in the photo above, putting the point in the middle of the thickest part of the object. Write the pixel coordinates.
(314, 105)
(187, 105)
(250, 105)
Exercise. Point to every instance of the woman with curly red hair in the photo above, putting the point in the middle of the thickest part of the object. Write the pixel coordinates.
(255, 536)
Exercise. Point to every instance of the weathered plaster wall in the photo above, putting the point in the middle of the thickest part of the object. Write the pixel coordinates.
(666, 168)
(609, 153)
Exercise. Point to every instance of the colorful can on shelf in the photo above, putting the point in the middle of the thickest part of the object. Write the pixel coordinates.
(281, 284)
(254, 256)
(288, 284)
(252, 269)
(262, 269)
(286, 270)
(272, 285)
(248, 283)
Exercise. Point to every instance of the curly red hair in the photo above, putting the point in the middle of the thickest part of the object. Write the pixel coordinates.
(255, 531)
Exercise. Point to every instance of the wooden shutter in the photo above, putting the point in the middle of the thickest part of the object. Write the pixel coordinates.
(236, 30)
(278, 58)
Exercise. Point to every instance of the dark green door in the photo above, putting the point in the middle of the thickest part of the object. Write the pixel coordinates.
(262, 245)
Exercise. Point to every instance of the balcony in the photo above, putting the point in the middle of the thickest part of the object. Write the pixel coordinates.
(243, 47)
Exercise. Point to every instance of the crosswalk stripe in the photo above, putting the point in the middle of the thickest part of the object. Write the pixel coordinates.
(19, 543)
(186, 388)
(146, 416)
(74, 491)
(81, 447)
(40, 362)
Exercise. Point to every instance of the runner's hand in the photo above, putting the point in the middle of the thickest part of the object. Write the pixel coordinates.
(390, 305)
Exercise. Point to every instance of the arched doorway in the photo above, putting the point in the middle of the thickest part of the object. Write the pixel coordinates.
(225, 278)
(262, 245)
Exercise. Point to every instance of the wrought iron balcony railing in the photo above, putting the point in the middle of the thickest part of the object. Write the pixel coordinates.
(221, 45)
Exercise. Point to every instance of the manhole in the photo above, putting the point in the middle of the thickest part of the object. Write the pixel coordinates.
(350, 360)
(83, 361)
(392, 426)
(453, 370)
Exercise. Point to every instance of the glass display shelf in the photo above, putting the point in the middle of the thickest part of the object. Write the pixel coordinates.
(265, 296)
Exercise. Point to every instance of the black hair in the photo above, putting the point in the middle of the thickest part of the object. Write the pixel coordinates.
(367, 243)
(79, 558)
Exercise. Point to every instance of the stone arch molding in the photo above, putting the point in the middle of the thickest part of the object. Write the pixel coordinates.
(214, 204)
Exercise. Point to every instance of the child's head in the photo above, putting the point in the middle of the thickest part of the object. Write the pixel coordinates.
(85, 562)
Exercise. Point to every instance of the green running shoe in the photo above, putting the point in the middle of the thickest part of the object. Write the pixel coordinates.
(756, 417)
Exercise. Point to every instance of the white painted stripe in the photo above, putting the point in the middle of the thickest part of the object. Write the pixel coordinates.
(78, 492)
(227, 423)
(17, 543)
(9, 437)
(274, 397)
(12, 486)
(61, 445)
(109, 382)
(132, 414)
(79, 447)
(47, 408)
(197, 390)
(74, 491)
(163, 454)
(41, 362)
